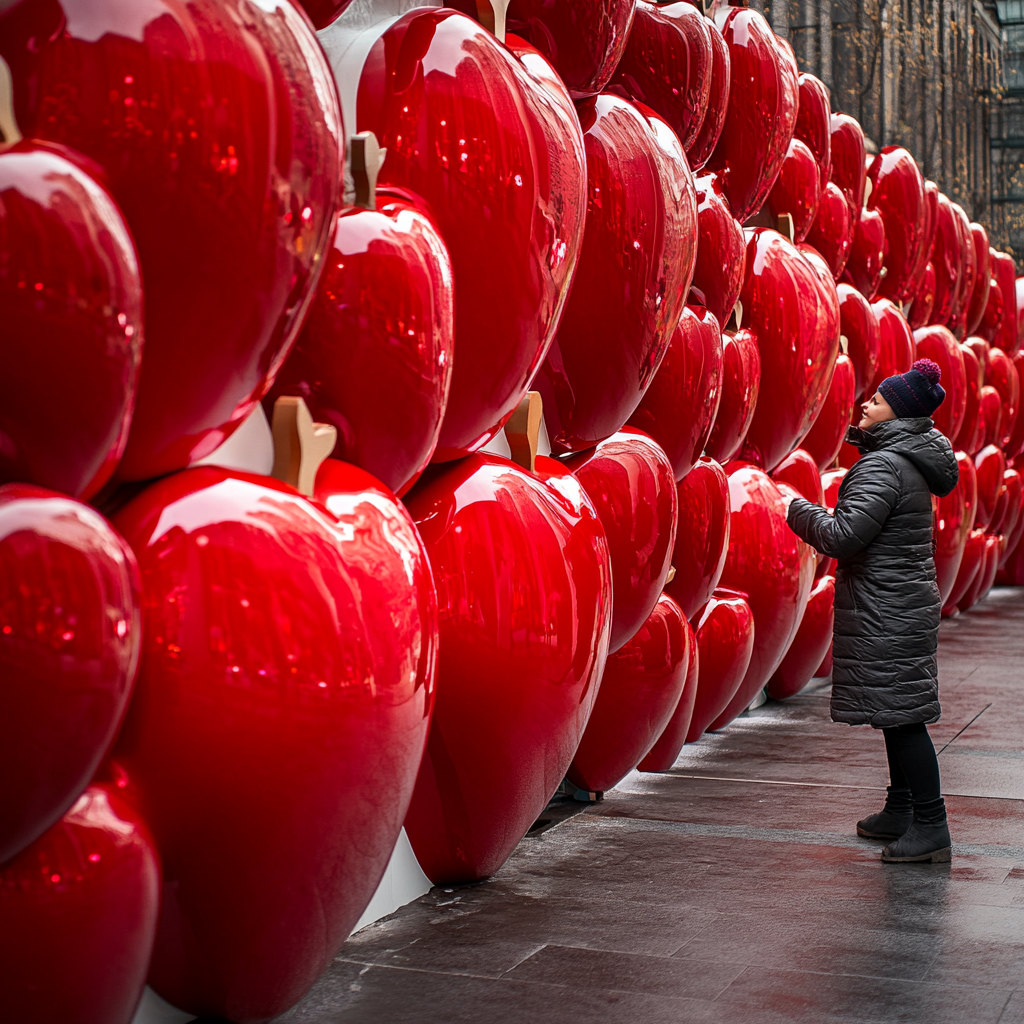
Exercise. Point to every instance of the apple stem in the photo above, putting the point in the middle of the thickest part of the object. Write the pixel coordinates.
(784, 226)
(8, 123)
(365, 159)
(867, 191)
(844, 344)
(735, 318)
(491, 14)
(523, 431)
(671, 575)
(300, 445)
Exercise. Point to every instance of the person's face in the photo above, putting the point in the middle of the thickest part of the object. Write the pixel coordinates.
(875, 410)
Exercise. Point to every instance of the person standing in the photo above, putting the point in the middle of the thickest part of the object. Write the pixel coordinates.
(887, 602)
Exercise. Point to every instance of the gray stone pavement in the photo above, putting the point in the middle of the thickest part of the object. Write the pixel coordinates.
(734, 888)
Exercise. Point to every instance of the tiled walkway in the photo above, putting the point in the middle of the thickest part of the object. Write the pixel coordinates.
(734, 888)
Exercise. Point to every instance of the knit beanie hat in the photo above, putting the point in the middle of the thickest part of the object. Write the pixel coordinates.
(916, 392)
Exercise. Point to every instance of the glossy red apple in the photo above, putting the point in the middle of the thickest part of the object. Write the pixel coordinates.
(501, 146)
(813, 123)
(794, 314)
(810, 645)
(797, 189)
(71, 346)
(859, 326)
(774, 569)
(640, 692)
(707, 137)
(635, 268)
(278, 723)
(920, 313)
(924, 252)
(947, 258)
(725, 644)
(78, 914)
(896, 353)
(583, 40)
(1015, 444)
(982, 580)
(831, 481)
(990, 464)
(832, 231)
(702, 536)
(525, 602)
(897, 193)
(1008, 505)
(849, 169)
(954, 520)
(663, 754)
(826, 437)
(970, 566)
(1001, 330)
(1001, 373)
(800, 471)
(990, 415)
(667, 65)
(939, 345)
(631, 485)
(721, 260)
(969, 434)
(741, 382)
(968, 274)
(374, 359)
(679, 408)
(218, 130)
(983, 280)
(866, 266)
(763, 101)
(1019, 297)
(69, 647)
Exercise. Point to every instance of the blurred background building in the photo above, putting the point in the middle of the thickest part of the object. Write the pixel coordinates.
(944, 78)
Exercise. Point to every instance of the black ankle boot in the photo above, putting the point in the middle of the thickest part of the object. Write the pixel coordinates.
(892, 820)
(927, 839)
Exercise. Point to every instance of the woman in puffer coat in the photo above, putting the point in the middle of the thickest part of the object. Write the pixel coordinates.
(887, 601)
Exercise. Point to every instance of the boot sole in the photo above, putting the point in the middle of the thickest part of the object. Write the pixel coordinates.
(935, 857)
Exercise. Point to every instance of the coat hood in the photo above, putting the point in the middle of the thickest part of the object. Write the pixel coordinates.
(918, 440)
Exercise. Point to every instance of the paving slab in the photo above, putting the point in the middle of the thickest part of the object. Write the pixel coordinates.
(734, 887)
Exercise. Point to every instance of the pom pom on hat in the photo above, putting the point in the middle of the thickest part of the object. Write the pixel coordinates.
(914, 393)
(931, 372)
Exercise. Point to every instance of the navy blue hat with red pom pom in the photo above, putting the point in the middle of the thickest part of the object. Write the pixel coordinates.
(916, 392)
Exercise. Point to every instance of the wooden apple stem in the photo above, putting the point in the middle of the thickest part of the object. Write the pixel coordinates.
(735, 317)
(523, 431)
(300, 445)
(844, 344)
(365, 159)
(8, 124)
(671, 575)
(867, 191)
(784, 226)
(491, 14)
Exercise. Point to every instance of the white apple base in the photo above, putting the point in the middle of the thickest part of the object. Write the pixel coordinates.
(402, 883)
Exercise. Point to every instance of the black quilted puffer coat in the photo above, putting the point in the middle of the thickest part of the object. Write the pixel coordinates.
(887, 601)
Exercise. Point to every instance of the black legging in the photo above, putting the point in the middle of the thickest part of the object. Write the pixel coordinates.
(913, 764)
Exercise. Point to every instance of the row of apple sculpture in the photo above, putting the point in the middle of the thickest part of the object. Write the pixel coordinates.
(223, 693)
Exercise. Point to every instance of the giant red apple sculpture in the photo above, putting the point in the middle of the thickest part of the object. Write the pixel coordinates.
(218, 130)
(947, 258)
(859, 326)
(78, 914)
(280, 719)
(833, 229)
(896, 352)
(797, 189)
(865, 268)
(631, 485)
(585, 41)
(635, 268)
(741, 383)
(813, 123)
(939, 345)
(849, 168)
(826, 437)
(725, 644)
(680, 406)
(71, 344)
(954, 520)
(484, 138)
(69, 648)
(983, 280)
(640, 692)
(710, 131)
(374, 359)
(897, 194)
(762, 110)
(524, 595)
(720, 265)
(810, 645)
(667, 65)
(794, 312)
(774, 569)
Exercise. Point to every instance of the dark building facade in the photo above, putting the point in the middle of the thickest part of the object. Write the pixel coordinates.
(944, 78)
